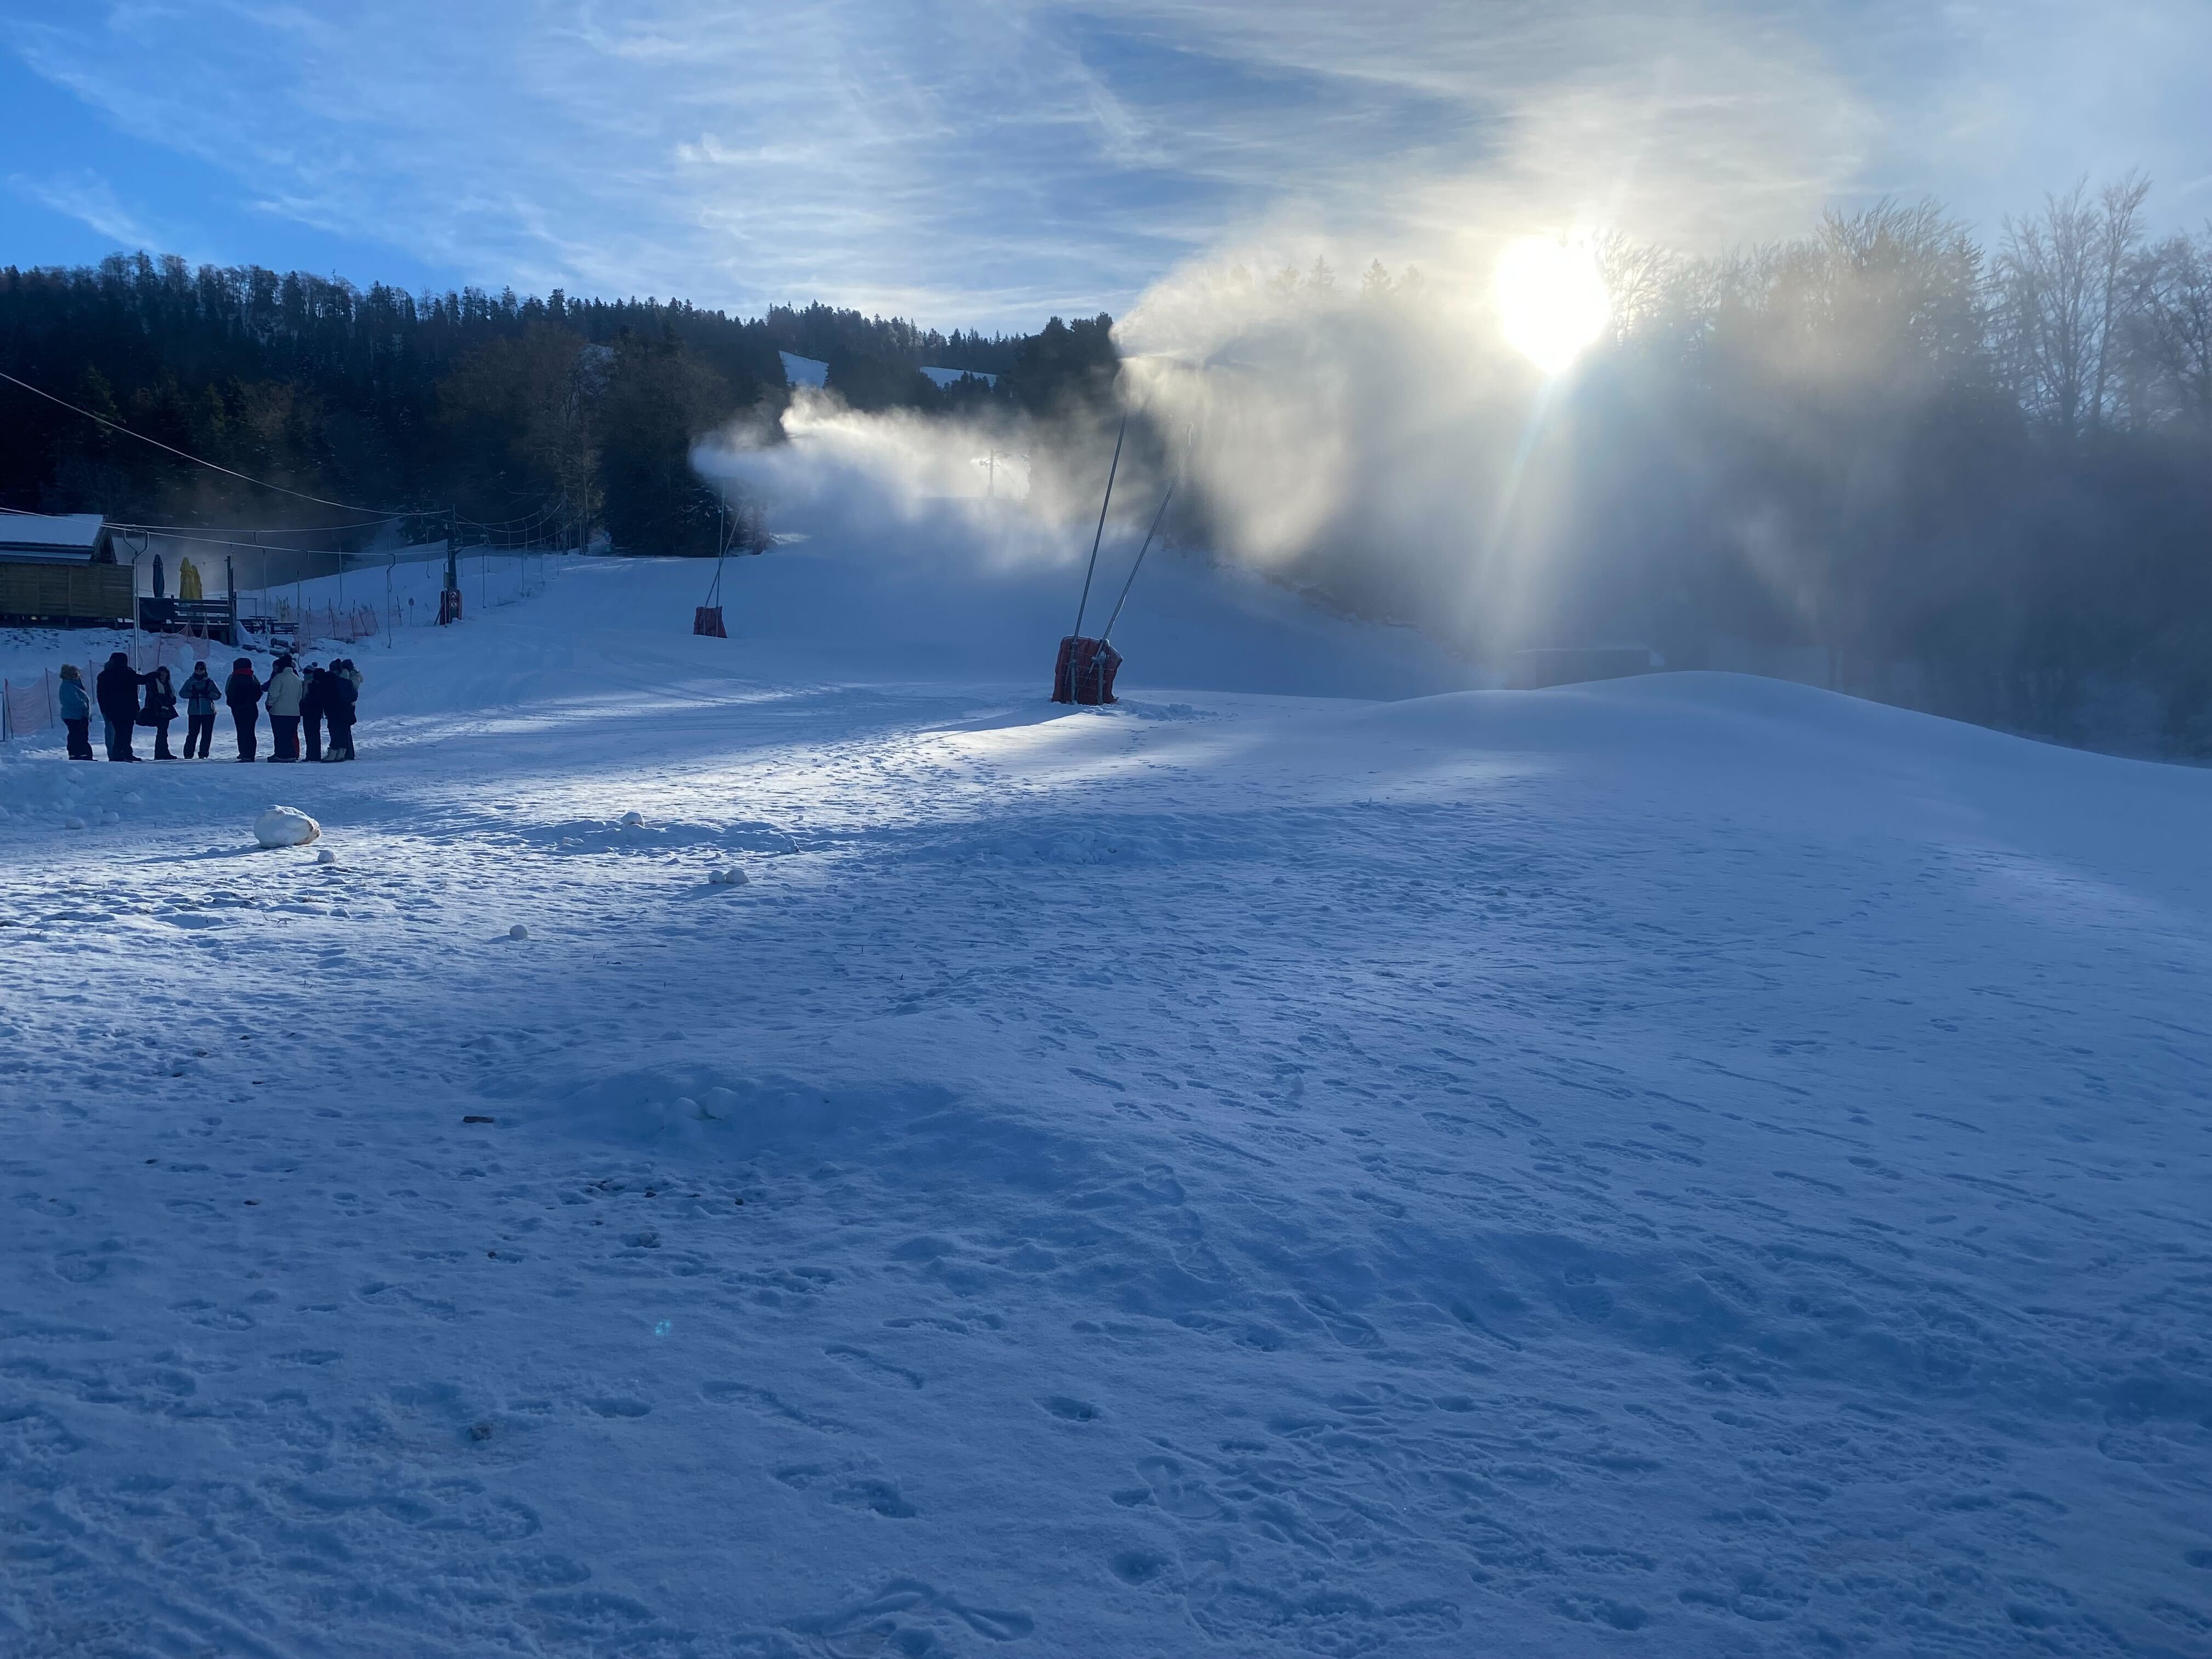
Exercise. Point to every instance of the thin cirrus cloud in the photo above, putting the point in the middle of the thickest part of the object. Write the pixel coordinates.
(983, 162)
(91, 201)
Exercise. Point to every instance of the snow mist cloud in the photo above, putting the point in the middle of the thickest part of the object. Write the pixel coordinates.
(997, 492)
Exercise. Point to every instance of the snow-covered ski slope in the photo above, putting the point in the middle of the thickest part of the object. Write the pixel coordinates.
(1686, 1167)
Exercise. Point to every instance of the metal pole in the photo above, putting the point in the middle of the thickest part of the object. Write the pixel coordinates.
(1107, 633)
(1083, 604)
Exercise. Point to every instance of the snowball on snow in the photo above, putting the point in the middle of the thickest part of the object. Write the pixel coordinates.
(633, 820)
(517, 932)
(72, 823)
(326, 856)
(285, 826)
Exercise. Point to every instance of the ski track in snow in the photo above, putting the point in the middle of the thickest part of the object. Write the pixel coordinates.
(1688, 1168)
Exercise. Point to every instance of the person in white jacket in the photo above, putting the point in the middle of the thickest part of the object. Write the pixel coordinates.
(282, 700)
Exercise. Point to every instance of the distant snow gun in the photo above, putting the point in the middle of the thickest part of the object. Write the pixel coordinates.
(1085, 670)
(449, 598)
(745, 532)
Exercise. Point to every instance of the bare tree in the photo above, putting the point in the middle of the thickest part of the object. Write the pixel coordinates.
(2119, 234)
(1639, 279)
(2065, 280)
(2175, 326)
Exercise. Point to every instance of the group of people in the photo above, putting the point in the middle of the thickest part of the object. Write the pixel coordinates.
(299, 705)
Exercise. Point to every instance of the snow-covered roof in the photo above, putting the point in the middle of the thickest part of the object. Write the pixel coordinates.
(804, 371)
(69, 537)
(944, 377)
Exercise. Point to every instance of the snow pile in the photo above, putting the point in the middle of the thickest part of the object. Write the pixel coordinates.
(285, 826)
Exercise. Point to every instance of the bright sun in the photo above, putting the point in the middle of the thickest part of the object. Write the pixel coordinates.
(1551, 300)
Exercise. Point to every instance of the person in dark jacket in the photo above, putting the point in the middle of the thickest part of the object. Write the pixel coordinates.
(339, 700)
(201, 694)
(76, 713)
(313, 700)
(117, 689)
(160, 709)
(242, 691)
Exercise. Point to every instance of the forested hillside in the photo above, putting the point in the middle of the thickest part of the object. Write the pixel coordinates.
(548, 415)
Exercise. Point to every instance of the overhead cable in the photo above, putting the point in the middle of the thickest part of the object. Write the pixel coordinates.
(261, 483)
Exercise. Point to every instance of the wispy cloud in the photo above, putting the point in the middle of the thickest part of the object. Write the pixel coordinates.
(91, 200)
(985, 160)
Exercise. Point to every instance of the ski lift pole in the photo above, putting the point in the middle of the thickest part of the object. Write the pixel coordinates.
(1083, 604)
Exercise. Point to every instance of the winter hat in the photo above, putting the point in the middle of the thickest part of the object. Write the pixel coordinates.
(284, 661)
(69, 672)
(122, 657)
(242, 666)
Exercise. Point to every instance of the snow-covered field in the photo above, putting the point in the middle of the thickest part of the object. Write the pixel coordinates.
(1689, 1167)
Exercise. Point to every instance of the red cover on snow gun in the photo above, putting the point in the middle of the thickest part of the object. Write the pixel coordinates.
(1084, 671)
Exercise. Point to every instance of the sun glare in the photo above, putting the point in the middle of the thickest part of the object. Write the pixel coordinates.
(1551, 301)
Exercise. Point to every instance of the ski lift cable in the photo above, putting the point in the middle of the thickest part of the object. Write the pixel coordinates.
(528, 521)
(264, 530)
(245, 478)
(1083, 604)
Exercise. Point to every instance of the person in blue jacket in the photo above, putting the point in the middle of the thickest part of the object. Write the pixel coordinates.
(201, 694)
(76, 713)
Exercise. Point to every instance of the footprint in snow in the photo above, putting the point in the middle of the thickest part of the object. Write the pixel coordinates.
(882, 1371)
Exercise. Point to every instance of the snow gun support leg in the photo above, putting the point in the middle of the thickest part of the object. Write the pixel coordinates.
(1083, 672)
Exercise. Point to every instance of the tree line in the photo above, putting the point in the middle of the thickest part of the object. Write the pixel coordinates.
(1904, 447)
(1972, 475)
(551, 418)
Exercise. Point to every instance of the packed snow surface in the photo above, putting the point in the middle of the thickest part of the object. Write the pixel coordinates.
(1692, 1166)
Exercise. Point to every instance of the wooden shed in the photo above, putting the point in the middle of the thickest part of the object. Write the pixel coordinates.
(61, 571)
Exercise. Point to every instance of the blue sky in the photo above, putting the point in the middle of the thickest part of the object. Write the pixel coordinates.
(986, 162)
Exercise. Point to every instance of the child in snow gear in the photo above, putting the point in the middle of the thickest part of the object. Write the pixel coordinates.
(339, 697)
(117, 689)
(282, 697)
(160, 709)
(201, 694)
(312, 702)
(76, 713)
(243, 693)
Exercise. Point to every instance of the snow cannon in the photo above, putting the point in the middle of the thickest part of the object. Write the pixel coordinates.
(1084, 671)
(285, 826)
